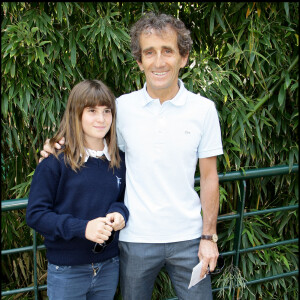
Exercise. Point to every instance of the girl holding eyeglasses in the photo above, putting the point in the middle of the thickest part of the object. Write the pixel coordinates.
(76, 198)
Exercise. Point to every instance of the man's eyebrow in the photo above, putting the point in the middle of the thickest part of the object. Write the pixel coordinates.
(148, 49)
(163, 47)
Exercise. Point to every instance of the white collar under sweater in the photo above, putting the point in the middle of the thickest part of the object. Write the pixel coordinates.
(94, 153)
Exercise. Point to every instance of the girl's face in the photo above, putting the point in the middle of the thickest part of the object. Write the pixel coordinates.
(96, 122)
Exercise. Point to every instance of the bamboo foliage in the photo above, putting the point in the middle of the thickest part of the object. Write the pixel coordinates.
(244, 58)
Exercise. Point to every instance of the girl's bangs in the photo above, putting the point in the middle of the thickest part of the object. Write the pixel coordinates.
(97, 99)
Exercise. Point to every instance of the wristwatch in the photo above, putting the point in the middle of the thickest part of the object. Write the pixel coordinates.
(213, 238)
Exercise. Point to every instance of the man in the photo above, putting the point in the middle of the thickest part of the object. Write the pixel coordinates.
(163, 130)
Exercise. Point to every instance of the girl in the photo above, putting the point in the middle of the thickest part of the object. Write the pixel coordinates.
(76, 198)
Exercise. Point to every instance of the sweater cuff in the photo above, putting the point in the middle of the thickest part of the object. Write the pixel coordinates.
(77, 227)
(120, 208)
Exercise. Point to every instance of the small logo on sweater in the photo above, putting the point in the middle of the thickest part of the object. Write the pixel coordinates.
(187, 132)
(118, 181)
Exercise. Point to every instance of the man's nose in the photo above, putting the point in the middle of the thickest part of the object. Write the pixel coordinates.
(159, 60)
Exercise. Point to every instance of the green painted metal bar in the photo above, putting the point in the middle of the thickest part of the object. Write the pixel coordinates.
(16, 250)
(278, 276)
(228, 217)
(228, 253)
(23, 249)
(7, 205)
(23, 290)
(271, 210)
(265, 246)
(261, 247)
(258, 212)
(263, 172)
(35, 266)
(239, 222)
(255, 173)
(239, 226)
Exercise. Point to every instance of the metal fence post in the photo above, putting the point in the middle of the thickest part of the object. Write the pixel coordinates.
(35, 266)
(239, 226)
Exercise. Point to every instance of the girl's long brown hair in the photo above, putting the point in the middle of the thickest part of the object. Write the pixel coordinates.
(88, 93)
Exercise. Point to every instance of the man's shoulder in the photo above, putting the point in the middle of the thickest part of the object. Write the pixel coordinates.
(129, 97)
(198, 99)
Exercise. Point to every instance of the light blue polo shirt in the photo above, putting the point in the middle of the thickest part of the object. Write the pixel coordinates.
(162, 143)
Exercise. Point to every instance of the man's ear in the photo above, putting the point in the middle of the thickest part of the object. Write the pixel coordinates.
(184, 61)
(140, 65)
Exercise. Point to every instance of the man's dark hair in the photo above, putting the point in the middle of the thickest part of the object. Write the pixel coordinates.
(159, 23)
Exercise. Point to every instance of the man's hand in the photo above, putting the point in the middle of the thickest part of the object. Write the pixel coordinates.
(98, 230)
(208, 253)
(47, 149)
(116, 220)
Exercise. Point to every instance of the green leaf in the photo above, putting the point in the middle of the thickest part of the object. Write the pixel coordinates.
(257, 129)
(281, 96)
(285, 261)
(227, 159)
(286, 8)
(291, 159)
(224, 92)
(59, 11)
(67, 66)
(65, 9)
(238, 92)
(30, 58)
(11, 91)
(34, 29)
(73, 55)
(60, 79)
(40, 54)
(51, 117)
(82, 47)
(287, 80)
(16, 138)
(13, 52)
(270, 116)
(13, 69)
(252, 57)
(7, 67)
(44, 42)
(4, 105)
(212, 22)
(220, 21)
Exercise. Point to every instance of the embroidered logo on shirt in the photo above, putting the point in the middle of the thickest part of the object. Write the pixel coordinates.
(118, 181)
(187, 132)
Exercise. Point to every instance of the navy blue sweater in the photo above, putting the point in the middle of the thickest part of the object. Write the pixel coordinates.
(61, 202)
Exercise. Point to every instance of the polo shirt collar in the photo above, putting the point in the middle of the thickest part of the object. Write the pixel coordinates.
(178, 100)
(94, 153)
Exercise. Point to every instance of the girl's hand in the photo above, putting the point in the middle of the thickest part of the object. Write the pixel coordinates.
(98, 230)
(117, 220)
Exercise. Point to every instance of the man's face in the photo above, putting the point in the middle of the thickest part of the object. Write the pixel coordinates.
(161, 62)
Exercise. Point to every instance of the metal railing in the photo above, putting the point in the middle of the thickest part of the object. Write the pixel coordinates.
(241, 177)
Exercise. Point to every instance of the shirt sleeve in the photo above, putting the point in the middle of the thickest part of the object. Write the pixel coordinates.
(211, 143)
(120, 140)
(41, 214)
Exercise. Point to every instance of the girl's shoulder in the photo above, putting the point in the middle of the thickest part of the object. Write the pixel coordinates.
(52, 162)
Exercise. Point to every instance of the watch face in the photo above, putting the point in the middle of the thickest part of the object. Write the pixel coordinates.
(215, 238)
